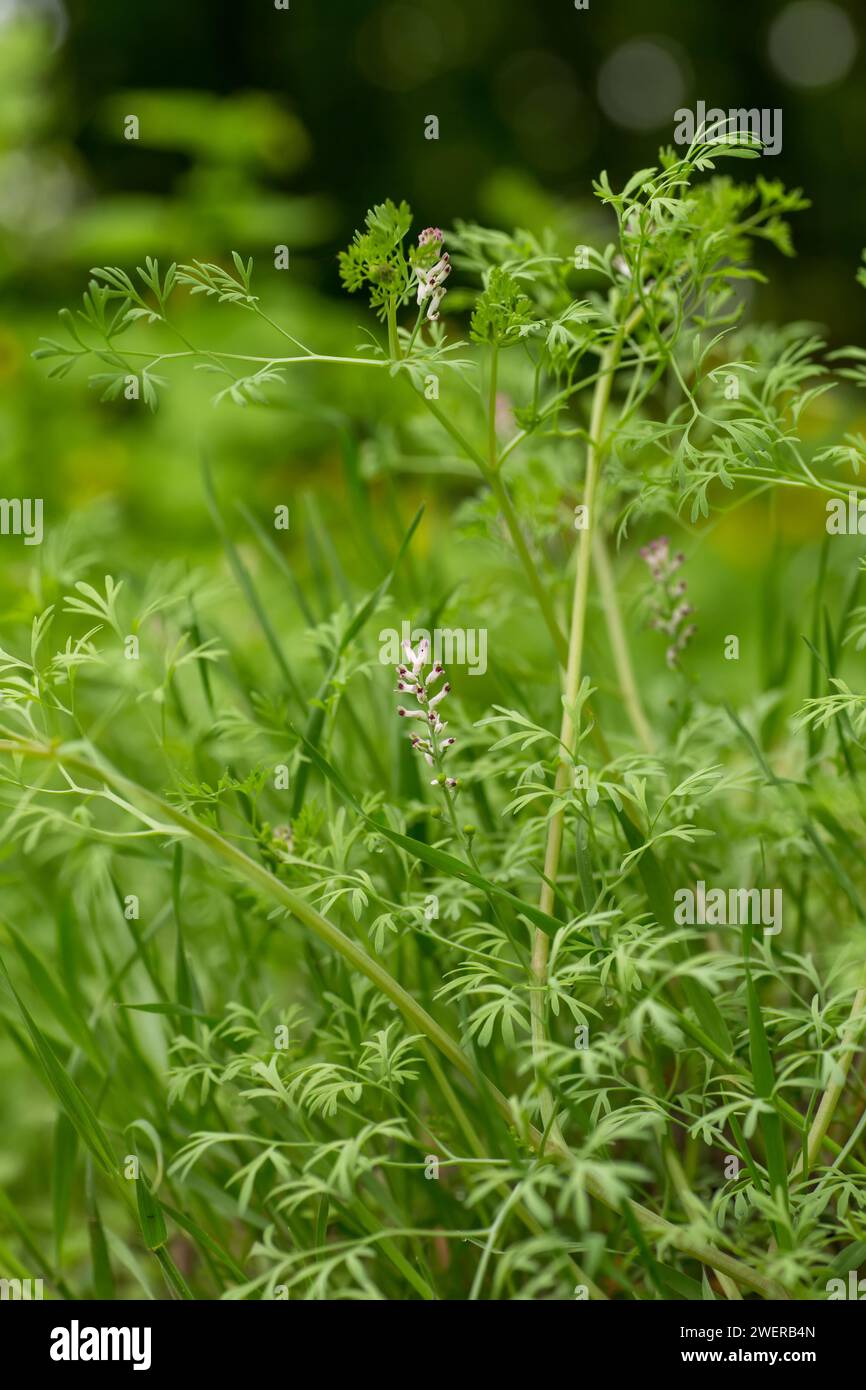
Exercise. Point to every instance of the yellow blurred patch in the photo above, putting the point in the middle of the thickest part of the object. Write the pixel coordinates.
(93, 469)
(11, 355)
(745, 537)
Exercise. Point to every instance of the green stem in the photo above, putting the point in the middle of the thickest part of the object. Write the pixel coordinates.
(536, 584)
(541, 942)
(831, 1097)
(547, 901)
(249, 357)
(393, 340)
(692, 1206)
(419, 320)
(492, 445)
(619, 643)
(494, 480)
(471, 1135)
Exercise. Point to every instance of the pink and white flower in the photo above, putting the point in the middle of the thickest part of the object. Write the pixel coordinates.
(431, 280)
(669, 608)
(412, 680)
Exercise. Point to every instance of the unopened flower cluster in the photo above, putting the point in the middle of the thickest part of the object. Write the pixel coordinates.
(431, 277)
(411, 680)
(669, 608)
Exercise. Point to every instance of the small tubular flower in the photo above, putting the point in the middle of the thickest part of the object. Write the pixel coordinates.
(669, 609)
(411, 680)
(431, 277)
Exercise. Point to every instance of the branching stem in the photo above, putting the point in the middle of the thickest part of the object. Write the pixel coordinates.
(595, 448)
(831, 1097)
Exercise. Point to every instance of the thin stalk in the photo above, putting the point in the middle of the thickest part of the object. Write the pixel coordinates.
(494, 480)
(501, 1215)
(536, 583)
(831, 1097)
(619, 643)
(415, 331)
(784, 1107)
(393, 340)
(690, 1204)
(471, 1135)
(492, 445)
(547, 901)
(541, 943)
(692, 1207)
(251, 357)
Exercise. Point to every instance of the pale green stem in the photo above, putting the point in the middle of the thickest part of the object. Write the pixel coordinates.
(688, 1201)
(692, 1207)
(547, 901)
(415, 331)
(512, 521)
(393, 340)
(492, 445)
(250, 357)
(619, 643)
(529, 1221)
(833, 1094)
(541, 942)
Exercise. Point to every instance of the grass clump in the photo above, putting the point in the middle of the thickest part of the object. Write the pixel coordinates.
(326, 1011)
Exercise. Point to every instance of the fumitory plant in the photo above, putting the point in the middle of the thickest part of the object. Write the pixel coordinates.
(387, 1014)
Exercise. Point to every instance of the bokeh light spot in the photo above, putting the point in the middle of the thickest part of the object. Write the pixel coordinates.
(539, 99)
(641, 84)
(400, 47)
(812, 43)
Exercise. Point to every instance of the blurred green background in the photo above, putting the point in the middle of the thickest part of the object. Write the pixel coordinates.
(258, 122)
(262, 126)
